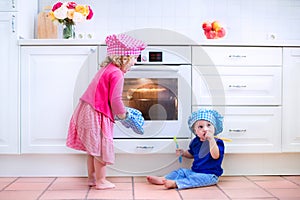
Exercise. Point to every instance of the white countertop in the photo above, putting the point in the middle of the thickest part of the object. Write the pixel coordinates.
(63, 42)
(79, 42)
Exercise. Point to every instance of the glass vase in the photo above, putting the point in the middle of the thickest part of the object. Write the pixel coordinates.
(68, 31)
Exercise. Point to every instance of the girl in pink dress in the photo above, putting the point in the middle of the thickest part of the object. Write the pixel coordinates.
(91, 125)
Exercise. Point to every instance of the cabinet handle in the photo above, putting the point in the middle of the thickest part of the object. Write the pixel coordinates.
(237, 86)
(92, 50)
(238, 130)
(13, 4)
(13, 28)
(144, 147)
(237, 56)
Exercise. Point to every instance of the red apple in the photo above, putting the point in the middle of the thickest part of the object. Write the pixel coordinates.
(221, 32)
(210, 34)
(215, 25)
(206, 26)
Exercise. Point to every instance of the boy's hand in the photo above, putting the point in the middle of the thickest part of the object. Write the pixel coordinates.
(179, 152)
(209, 135)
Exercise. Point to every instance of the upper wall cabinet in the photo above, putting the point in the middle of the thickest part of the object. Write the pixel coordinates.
(290, 100)
(8, 5)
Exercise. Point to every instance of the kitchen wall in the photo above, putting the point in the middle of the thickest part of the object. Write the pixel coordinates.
(245, 20)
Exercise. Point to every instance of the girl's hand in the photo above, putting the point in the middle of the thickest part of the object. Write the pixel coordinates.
(121, 116)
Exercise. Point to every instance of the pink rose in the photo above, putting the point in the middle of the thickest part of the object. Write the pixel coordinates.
(71, 5)
(90, 14)
(56, 6)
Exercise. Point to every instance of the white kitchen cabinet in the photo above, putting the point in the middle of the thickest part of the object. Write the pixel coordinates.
(237, 56)
(8, 5)
(245, 85)
(236, 75)
(236, 85)
(290, 100)
(9, 123)
(252, 129)
(52, 80)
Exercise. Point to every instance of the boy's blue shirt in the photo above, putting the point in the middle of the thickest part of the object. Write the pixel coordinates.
(203, 161)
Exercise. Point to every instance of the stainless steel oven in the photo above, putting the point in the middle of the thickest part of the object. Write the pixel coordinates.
(160, 87)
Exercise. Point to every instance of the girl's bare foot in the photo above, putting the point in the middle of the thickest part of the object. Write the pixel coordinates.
(169, 184)
(91, 182)
(105, 185)
(156, 180)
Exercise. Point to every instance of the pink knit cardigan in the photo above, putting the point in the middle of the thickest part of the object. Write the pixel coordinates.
(104, 93)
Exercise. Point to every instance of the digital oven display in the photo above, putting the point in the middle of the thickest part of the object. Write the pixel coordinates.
(155, 56)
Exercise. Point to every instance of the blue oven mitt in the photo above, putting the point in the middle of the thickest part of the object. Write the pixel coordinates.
(133, 120)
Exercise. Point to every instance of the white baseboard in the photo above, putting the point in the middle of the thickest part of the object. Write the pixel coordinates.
(57, 165)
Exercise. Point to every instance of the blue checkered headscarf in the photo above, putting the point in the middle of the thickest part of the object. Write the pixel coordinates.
(209, 115)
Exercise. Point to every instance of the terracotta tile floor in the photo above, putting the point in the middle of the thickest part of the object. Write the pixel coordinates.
(137, 188)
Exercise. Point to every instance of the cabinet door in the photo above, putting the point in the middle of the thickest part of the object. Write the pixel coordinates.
(290, 100)
(252, 129)
(9, 123)
(8, 5)
(52, 81)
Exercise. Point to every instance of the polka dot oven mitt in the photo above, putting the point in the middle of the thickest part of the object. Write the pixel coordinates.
(134, 120)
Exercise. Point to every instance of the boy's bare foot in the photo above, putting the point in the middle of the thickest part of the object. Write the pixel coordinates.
(169, 184)
(156, 180)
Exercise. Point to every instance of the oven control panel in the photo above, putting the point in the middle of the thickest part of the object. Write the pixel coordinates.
(161, 55)
(153, 56)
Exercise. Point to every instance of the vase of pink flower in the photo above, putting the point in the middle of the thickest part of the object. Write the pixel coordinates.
(68, 14)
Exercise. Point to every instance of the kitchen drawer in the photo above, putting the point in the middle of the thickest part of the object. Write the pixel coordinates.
(236, 85)
(237, 56)
(148, 146)
(295, 52)
(252, 129)
(8, 5)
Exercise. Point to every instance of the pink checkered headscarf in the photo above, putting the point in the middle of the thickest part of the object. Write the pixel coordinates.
(124, 45)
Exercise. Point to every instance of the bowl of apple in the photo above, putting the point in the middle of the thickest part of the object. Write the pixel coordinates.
(213, 30)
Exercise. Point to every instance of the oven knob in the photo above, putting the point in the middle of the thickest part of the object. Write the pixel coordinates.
(144, 58)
